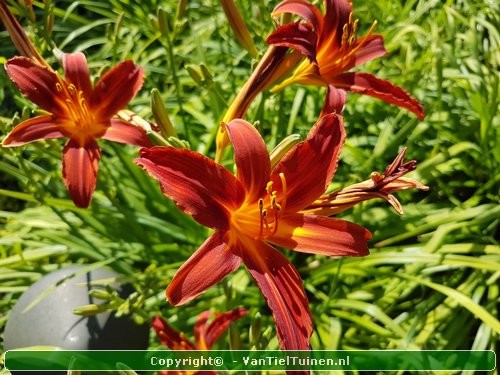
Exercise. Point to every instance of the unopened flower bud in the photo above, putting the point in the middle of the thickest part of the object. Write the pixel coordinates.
(89, 310)
(239, 27)
(162, 22)
(100, 294)
(161, 115)
(282, 148)
(195, 73)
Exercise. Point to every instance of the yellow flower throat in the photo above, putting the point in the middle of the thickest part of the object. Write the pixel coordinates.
(260, 219)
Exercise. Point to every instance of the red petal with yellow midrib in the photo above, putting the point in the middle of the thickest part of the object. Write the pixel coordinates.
(199, 186)
(321, 235)
(76, 71)
(206, 267)
(116, 88)
(282, 287)
(309, 167)
(38, 83)
(33, 129)
(251, 157)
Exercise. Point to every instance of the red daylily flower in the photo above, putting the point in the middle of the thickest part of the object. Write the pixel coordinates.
(205, 334)
(77, 111)
(330, 44)
(258, 207)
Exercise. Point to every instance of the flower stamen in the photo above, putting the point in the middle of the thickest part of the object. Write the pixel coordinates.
(349, 32)
(276, 209)
(83, 103)
(261, 215)
(269, 216)
(72, 89)
(269, 187)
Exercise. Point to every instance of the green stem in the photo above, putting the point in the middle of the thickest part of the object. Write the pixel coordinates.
(164, 29)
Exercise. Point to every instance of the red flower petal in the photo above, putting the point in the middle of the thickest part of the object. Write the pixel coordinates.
(337, 14)
(80, 164)
(206, 267)
(34, 129)
(124, 132)
(300, 36)
(335, 100)
(200, 187)
(221, 324)
(309, 167)
(76, 71)
(301, 8)
(169, 336)
(367, 84)
(321, 235)
(373, 47)
(282, 287)
(36, 82)
(251, 157)
(117, 88)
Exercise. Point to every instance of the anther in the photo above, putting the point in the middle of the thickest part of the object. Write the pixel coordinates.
(345, 34)
(72, 89)
(275, 205)
(351, 16)
(58, 87)
(269, 187)
(83, 104)
(270, 227)
(352, 33)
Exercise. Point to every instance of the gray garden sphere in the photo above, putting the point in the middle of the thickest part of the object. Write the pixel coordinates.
(51, 321)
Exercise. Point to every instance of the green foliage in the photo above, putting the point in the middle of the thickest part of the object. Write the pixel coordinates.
(432, 278)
